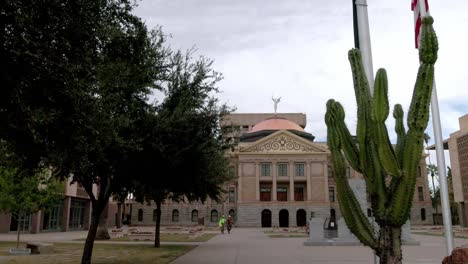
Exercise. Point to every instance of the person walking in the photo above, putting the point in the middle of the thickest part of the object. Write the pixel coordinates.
(229, 224)
(222, 222)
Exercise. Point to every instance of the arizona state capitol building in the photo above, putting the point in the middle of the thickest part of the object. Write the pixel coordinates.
(281, 179)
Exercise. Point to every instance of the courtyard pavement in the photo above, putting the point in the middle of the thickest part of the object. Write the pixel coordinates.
(251, 245)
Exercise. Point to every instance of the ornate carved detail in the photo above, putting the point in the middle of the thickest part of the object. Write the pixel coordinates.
(282, 143)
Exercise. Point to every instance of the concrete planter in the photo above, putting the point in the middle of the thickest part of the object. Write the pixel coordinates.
(116, 233)
(141, 236)
(20, 251)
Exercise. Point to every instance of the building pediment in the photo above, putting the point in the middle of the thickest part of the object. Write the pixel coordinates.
(282, 142)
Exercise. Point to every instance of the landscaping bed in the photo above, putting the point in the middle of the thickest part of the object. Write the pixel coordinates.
(102, 254)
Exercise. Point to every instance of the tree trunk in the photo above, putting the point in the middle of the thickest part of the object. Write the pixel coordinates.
(433, 191)
(390, 245)
(119, 215)
(88, 247)
(18, 233)
(157, 237)
(102, 231)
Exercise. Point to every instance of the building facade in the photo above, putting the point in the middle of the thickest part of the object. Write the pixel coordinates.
(73, 212)
(282, 178)
(457, 145)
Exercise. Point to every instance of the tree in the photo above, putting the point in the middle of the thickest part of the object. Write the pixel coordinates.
(390, 173)
(433, 171)
(22, 195)
(76, 76)
(183, 158)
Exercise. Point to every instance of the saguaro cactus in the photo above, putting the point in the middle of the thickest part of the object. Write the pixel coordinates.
(390, 172)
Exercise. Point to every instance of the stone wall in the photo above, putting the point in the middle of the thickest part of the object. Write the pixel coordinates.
(251, 215)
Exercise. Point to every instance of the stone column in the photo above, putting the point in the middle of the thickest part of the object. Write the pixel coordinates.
(291, 181)
(325, 184)
(239, 187)
(66, 213)
(308, 183)
(273, 189)
(257, 182)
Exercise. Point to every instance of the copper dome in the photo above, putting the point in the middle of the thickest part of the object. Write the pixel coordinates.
(276, 123)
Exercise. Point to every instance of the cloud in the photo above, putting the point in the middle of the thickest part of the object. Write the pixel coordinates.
(297, 49)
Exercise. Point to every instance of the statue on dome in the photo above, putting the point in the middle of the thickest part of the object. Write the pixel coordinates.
(276, 101)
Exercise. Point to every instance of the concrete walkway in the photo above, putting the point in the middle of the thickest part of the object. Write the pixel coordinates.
(247, 246)
(251, 245)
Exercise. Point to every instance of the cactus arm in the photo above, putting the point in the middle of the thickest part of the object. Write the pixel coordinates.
(400, 131)
(347, 143)
(355, 219)
(380, 111)
(418, 117)
(368, 158)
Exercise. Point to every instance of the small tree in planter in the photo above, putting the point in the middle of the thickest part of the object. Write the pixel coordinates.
(374, 156)
(22, 196)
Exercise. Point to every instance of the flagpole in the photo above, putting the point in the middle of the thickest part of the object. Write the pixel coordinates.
(364, 41)
(440, 157)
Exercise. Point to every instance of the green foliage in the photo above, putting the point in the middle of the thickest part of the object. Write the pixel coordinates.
(27, 195)
(375, 157)
(182, 156)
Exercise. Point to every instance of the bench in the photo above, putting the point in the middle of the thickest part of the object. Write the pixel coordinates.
(40, 248)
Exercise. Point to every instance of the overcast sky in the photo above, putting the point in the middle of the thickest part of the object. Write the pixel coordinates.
(297, 49)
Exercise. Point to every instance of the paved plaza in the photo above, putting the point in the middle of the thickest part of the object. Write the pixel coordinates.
(251, 245)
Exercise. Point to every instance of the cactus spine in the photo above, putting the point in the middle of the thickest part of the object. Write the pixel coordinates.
(374, 156)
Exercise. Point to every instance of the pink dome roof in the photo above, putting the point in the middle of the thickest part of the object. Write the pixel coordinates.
(276, 123)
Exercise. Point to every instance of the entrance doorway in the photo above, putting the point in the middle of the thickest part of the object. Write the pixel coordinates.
(266, 218)
(284, 218)
(52, 217)
(301, 217)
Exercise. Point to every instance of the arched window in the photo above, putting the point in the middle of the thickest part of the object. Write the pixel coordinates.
(232, 213)
(195, 216)
(175, 215)
(140, 215)
(214, 216)
(423, 214)
(155, 212)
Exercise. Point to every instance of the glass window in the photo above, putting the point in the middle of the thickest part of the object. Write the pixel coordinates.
(77, 214)
(300, 169)
(265, 169)
(20, 222)
(331, 194)
(298, 193)
(265, 193)
(232, 195)
(214, 216)
(140, 215)
(175, 215)
(421, 193)
(195, 216)
(282, 169)
(330, 171)
(282, 194)
(419, 171)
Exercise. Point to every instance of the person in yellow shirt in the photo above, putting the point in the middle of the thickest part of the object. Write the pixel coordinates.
(221, 223)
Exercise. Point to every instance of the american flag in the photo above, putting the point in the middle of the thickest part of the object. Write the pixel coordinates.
(415, 6)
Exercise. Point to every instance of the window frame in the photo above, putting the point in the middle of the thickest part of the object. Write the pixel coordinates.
(175, 215)
(264, 168)
(296, 169)
(331, 194)
(283, 169)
